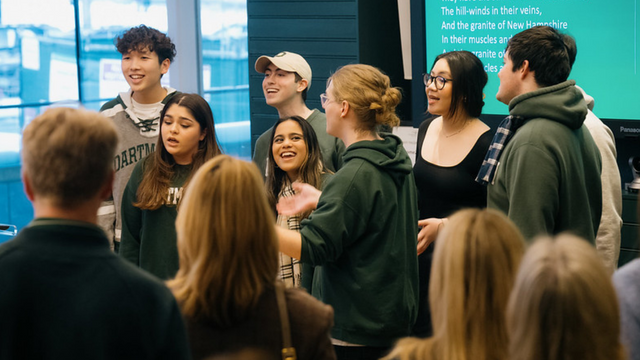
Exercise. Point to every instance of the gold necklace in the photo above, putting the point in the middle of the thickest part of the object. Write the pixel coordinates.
(456, 132)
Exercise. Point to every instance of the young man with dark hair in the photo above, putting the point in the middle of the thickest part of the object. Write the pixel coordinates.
(65, 294)
(287, 78)
(146, 56)
(543, 168)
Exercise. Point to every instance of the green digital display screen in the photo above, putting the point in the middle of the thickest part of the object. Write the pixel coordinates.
(606, 34)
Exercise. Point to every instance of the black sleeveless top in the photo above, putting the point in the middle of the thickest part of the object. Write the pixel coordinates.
(442, 190)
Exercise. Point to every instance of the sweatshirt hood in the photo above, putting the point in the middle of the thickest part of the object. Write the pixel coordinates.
(562, 103)
(387, 154)
(588, 98)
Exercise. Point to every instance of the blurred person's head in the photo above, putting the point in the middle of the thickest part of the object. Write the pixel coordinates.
(67, 157)
(563, 304)
(226, 242)
(474, 267)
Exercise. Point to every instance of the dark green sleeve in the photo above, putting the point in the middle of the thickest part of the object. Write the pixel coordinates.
(308, 270)
(131, 218)
(336, 223)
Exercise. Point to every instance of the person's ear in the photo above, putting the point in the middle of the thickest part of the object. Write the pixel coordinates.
(524, 69)
(345, 108)
(302, 84)
(203, 134)
(28, 190)
(164, 66)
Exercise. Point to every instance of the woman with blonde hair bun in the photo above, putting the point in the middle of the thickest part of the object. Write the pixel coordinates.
(226, 284)
(362, 234)
(475, 263)
(563, 305)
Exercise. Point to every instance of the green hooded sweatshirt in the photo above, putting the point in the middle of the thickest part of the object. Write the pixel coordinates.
(363, 236)
(548, 178)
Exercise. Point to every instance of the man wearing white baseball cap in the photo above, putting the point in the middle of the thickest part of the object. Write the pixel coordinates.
(287, 77)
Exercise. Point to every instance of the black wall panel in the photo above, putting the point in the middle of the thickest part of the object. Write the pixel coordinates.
(325, 33)
(328, 34)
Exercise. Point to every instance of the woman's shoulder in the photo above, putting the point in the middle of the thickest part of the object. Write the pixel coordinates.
(427, 128)
(307, 312)
(306, 306)
(483, 134)
(311, 322)
(428, 122)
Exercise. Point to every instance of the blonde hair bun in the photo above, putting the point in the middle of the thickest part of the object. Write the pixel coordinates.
(369, 93)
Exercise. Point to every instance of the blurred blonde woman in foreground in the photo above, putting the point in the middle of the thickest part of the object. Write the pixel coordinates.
(563, 304)
(228, 264)
(475, 262)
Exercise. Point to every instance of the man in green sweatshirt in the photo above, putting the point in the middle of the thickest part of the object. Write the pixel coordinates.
(545, 173)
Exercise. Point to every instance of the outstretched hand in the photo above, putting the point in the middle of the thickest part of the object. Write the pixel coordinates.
(428, 232)
(306, 198)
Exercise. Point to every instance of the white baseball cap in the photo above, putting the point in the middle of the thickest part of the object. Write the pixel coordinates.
(286, 61)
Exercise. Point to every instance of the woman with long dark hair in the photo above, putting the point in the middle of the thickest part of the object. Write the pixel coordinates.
(150, 201)
(451, 147)
(295, 156)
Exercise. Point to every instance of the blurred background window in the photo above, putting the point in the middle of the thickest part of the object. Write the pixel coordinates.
(62, 53)
(225, 76)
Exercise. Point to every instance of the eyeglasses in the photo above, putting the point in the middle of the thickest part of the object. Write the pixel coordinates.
(440, 81)
(324, 99)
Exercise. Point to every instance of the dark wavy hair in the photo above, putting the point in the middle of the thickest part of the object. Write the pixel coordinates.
(550, 54)
(469, 80)
(143, 37)
(310, 171)
(159, 167)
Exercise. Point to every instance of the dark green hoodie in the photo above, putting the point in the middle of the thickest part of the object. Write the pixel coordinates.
(363, 234)
(548, 179)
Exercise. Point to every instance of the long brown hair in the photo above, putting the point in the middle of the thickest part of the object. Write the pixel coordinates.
(159, 168)
(226, 242)
(475, 264)
(310, 171)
